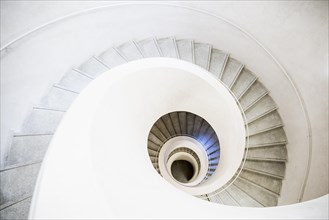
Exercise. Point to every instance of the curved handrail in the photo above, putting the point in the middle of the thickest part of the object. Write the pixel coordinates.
(245, 32)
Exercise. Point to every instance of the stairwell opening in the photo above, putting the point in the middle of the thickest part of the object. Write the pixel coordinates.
(182, 170)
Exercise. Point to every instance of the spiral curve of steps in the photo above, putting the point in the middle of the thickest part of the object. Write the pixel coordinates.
(260, 178)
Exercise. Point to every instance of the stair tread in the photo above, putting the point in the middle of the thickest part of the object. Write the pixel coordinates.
(202, 54)
(42, 121)
(273, 152)
(27, 149)
(258, 193)
(245, 78)
(231, 71)
(168, 47)
(272, 167)
(19, 210)
(255, 91)
(256, 132)
(242, 198)
(217, 62)
(185, 50)
(58, 98)
(17, 183)
(111, 58)
(130, 51)
(149, 47)
(93, 67)
(267, 181)
(261, 108)
(74, 80)
(262, 173)
(272, 136)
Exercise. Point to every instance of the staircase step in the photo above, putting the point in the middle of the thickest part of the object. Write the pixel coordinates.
(202, 53)
(227, 199)
(155, 139)
(243, 81)
(17, 211)
(207, 134)
(130, 51)
(58, 98)
(111, 58)
(231, 72)
(261, 145)
(74, 80)
(182, 121)
(242, 198)
(162, 127)
(158, 133)
(149, 47)
(258, 193)
(252, 94)
(203, 130)
(168, 47)
(211, 143)
(268, 121)
(42, 121)
(268, 137)
(197, 125)
(186, 50)
(17, 183)
(218, 61)
(153, 159)
(190, 123)
(153, 146)
(271, 152)
(176, 123)
(93, 67)
(169, 125)
(152, 152)
(214, 153)
(271, 167)
(27, 149)
(268, 182)
(262, 107)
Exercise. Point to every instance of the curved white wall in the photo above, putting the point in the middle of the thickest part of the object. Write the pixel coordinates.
(97, 165)
(296, 33)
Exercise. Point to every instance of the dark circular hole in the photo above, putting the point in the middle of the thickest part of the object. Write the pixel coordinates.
(182, 170)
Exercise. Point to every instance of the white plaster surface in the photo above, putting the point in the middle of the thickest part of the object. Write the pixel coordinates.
(84, 159)
(294, 31)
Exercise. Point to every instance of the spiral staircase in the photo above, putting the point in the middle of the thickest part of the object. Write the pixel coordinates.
(257, 182)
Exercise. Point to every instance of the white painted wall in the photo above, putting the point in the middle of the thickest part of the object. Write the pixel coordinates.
(295, 32)
(102, 141)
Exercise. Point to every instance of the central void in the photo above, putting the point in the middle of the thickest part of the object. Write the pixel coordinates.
(192, 102)
(182, 170)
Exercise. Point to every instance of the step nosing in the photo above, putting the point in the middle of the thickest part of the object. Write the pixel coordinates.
(83, 73)
(266, 130)
(262, 115)
(247, 88)
(268, 144)
(48, 109)
(256, 101)
(258, 186)
(31, 134)
(263, 173)
(279, 160)
(12, 203)
(16, 166)
(59, 86)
